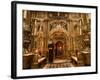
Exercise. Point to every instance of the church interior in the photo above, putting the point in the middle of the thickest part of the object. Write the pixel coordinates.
(56, 39)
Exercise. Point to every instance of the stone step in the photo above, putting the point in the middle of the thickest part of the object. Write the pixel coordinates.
(58, 65)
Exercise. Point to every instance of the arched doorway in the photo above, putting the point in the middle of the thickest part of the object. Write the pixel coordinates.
(59, 50)
(58, 35)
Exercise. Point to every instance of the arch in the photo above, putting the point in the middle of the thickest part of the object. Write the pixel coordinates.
(57, 21)
(54, 23)
(58, 34)
(59, 30)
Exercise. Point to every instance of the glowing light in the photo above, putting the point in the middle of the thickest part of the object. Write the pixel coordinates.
(36, 51)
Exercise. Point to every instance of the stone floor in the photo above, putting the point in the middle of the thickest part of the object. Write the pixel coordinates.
(59, 63)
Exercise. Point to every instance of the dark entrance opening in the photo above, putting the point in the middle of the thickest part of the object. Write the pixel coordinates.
(59, 50)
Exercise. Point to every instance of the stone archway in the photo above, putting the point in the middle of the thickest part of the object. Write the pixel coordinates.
(58, 35)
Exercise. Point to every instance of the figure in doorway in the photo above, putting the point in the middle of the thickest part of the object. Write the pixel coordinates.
(50, 53)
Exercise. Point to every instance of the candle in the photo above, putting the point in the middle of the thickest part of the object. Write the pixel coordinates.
(35, 22)
(80, 28)
(25, 14)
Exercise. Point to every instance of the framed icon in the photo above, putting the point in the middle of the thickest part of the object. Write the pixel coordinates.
(50, 39)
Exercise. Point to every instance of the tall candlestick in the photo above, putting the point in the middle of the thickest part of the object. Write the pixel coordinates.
(80, 28)
(25, 14)
(35, 28)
